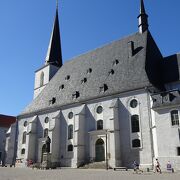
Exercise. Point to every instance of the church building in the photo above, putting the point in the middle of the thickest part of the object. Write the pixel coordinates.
(115, 104)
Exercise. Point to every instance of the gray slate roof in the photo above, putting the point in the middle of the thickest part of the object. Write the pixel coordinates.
(171, 66)
(129, 74)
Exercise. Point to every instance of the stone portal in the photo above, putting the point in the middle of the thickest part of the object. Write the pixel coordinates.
(99, 149)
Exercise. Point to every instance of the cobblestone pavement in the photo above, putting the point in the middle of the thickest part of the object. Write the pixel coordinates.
(81, 174)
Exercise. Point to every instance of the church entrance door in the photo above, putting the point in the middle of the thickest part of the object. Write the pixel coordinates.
(100, 152)
(43, 151)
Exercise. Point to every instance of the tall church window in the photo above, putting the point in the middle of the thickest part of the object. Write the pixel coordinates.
(99, 124)
(45, 132)
(70, 147)
(42, 79)
(136, 143)
(174, 117)
(178, 151)
(24, 138)
(70, 131)
(134, 123)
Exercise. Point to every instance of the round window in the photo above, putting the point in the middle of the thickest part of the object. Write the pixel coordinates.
(46, 120)
(133, 103)
(99, 109)
(25, 123)
(70, 115)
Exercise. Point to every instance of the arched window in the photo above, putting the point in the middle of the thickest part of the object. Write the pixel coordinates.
(24, 138)
(42, 79)
(136, 143)
(135, 123)
(45, 132)
(174, 117)
(99, 124)
(70, 147)
(23, 151)
(70, 131)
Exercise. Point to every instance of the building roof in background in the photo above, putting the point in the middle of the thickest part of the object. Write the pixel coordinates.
(6, 121)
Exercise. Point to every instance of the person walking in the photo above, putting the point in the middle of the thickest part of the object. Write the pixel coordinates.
(136, 167)
(157, 166)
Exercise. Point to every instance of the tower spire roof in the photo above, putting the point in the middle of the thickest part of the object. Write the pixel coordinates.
(57, 4)
(143, 18)
(54, 54)
(142, 9)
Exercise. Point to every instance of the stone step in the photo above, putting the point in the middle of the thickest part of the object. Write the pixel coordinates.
(95, 165)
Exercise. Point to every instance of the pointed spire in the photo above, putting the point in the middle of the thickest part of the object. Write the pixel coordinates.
(143, 19)
(57, 4)
(142, 9)
(54, 55)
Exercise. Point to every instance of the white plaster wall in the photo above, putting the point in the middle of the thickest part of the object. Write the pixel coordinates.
(54, 128)
(111, 124)
(46, 71)
(49, 71)
(20, 146)
(144, 154)
(11, 144)
(3, 131)
(167, 138)
(116, 120)
(76, 157)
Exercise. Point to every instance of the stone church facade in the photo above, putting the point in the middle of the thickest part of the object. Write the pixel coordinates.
(115, 104)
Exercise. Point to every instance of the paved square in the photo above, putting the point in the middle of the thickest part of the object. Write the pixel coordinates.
(80, 174)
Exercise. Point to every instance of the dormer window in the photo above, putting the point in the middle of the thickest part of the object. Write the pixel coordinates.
(115, 62)
(111, 72)
(75, 95)
(67, 77)
(61, 87)
(52, 101)
(103, 88)
(83, 80)
(89, 71)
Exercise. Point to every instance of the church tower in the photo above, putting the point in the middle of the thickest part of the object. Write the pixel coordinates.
(53, 59)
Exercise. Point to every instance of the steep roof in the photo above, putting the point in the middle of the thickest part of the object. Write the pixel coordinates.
(171, 68)
(6, 121)
(54, 55)
(114, 67)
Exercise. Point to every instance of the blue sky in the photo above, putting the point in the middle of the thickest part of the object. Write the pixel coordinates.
(25, 28)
